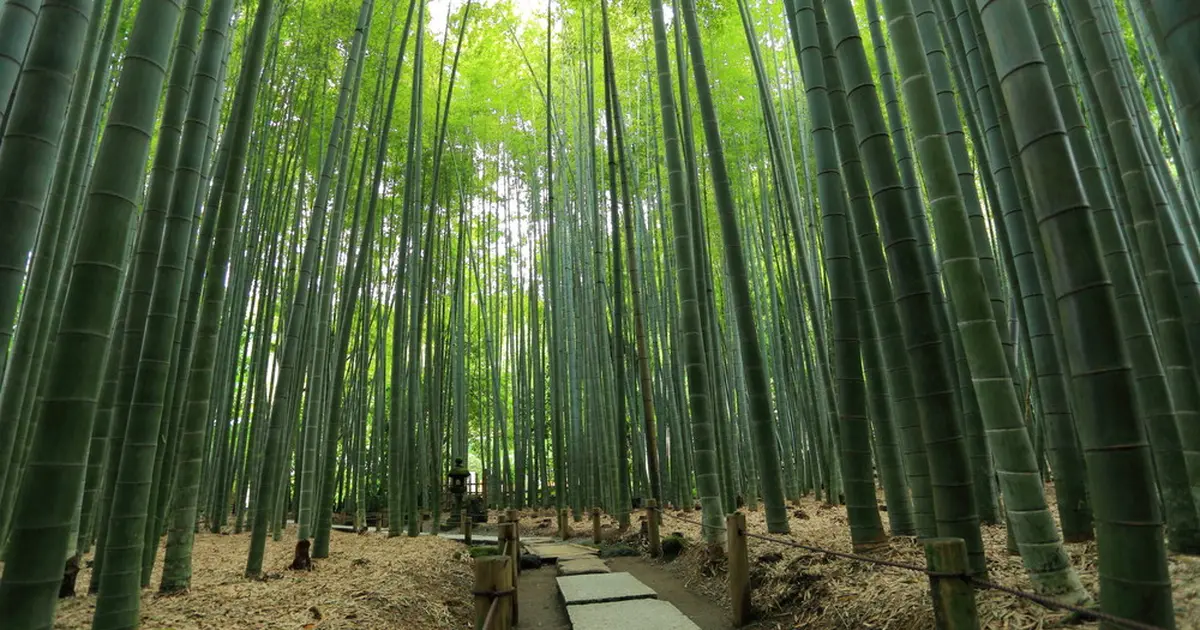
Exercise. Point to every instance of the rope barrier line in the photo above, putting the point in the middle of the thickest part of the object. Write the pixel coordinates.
(984, 584)
(853, 556)
(495, 595)
(487, 621)
(687, 520)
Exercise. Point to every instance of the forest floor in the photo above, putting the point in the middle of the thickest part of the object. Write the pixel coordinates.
(794, 588)
(369, 582)
(374, 582)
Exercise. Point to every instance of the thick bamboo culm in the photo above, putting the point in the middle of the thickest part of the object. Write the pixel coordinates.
(652, 521)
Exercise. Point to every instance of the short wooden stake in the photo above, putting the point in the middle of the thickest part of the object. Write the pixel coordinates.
(466, 526)
(493, 581)
(953, 597)
(652, 521)
(596, 525)
(739, 568)
(508, 538)
(564, 525)
(511, 516)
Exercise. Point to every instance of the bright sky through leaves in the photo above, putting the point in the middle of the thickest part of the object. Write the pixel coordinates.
(526, 9)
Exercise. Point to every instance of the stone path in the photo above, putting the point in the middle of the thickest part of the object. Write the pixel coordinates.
(551, 552)
(601, 601)
(582, 566)
(601, 588)
(596, 598)
(638, 614)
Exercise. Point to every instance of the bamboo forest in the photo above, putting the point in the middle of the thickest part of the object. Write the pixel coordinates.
(834, 314)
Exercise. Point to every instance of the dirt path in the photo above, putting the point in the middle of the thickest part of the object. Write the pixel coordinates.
(702, 610)
(538, 602)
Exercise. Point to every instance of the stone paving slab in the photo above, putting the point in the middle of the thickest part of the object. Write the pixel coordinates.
(638, 614)
(604, 587)
(582, 566)
(549, 552)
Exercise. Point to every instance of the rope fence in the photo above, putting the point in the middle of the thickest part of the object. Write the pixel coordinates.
(950, 609)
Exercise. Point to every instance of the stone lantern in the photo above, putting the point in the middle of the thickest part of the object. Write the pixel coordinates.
(458, 487)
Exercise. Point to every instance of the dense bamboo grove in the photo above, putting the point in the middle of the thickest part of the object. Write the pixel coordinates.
(276, 261)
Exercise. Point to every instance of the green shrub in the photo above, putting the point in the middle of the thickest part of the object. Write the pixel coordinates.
(480, 552)
(617, 550)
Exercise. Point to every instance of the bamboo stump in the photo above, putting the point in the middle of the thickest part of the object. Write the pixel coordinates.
(596, 525)
(466, 526)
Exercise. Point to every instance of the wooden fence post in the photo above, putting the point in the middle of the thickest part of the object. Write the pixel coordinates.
(739, 568)
(953, 597)
(508, 539)
(514, 517)
(652, 520)
(564, 525)
(596, 525)
(493, 576)
(466, 526)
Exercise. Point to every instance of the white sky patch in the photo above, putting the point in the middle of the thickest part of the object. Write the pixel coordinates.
(527, 9)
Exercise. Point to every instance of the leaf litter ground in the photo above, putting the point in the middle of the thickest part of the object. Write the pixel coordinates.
(794, 588)
(369, 582)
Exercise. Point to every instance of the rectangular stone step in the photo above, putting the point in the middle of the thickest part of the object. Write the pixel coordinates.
(638, 614)
(550, 552)
(604, 587)
(582, 566)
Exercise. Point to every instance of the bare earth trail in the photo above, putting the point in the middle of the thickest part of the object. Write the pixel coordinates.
(702, 610)
(538, 602)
